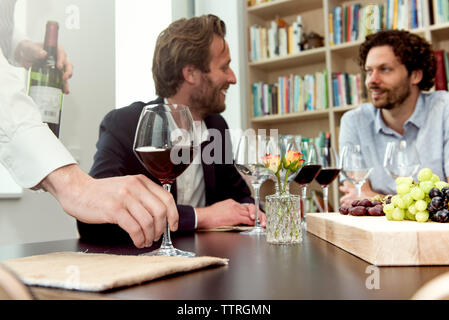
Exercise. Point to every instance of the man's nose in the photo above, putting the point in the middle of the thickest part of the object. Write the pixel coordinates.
(232, 79)
(372, 78)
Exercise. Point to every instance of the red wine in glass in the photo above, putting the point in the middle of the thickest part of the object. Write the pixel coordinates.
(307, 174)
(164, 145)
(330, 168)
(157, 162)
(326, 176)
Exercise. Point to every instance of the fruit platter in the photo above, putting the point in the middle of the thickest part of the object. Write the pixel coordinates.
(422, 201)
(409, 231)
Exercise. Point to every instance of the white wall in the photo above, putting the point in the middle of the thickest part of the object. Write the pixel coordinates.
(137, 25)
(231, 12)
(90, 46)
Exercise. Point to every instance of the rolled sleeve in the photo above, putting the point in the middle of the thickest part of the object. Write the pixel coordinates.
(28, 148)
(31, 155)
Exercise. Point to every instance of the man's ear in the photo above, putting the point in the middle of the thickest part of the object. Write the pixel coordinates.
(191, 74)
(416, 76)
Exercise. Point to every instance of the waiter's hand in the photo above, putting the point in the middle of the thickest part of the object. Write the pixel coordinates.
(27, 52)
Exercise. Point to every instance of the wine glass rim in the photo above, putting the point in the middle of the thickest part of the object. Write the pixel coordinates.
(177, 107)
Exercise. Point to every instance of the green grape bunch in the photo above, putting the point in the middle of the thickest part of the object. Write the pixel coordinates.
(411, 201)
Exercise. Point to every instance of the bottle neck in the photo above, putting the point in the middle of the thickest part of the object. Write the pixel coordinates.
(51, 42)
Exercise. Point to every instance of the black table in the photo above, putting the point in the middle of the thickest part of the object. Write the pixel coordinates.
(314, 269)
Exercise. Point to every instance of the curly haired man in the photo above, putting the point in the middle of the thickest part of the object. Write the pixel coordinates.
(399, 67)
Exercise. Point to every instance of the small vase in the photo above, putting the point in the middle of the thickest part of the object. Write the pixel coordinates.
(283, 224)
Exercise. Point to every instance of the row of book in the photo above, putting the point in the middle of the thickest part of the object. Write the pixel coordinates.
(404, 14)
(279, 39)
(353, 22)
(442, 73)
(292, 93)
(348, 89)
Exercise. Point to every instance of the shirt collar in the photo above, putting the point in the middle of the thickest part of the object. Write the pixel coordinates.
(417, 118)
(419, 115)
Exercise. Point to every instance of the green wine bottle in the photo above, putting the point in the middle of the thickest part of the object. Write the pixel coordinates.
(45, 86)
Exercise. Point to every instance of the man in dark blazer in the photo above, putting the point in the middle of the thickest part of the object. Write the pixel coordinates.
(191, 66)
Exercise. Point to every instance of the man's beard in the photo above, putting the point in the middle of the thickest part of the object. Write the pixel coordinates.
(392, 97)
(207, 98)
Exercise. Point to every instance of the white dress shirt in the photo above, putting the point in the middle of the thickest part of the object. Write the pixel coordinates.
(28, 148)
(190, 186)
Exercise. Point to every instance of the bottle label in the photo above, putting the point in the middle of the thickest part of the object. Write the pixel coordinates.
(48, 100)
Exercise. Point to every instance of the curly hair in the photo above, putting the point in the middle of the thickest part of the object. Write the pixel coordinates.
(184, 42)
(414, 52)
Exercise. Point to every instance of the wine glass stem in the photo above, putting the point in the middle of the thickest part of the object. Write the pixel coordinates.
(256, 200)
(358, 187)
(325, 198)
(304, 199)
(166, 240)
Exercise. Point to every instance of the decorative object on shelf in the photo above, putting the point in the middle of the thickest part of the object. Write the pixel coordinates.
(313, 40)
(283, 212)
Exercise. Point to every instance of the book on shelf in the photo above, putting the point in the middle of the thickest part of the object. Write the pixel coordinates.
(440, 11)
(446, 65)
(292, 93)
(353, 22)
(441, 77)
(279, 39)
(404, 14)
(347, 89)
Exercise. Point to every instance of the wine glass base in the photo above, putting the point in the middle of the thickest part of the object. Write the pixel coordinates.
(256, 231)
(169, 252)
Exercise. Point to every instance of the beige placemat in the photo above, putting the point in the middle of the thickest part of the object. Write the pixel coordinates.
(99, 272)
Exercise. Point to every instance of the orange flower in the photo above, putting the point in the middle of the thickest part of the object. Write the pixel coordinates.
(272, 162)
(293, 160)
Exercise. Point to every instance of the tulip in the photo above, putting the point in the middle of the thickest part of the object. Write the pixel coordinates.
(272, 162)
(293, 160)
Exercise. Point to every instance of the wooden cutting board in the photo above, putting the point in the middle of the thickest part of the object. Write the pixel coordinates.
(382, 242)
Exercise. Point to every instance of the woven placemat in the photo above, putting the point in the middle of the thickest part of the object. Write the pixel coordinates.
(99, 272)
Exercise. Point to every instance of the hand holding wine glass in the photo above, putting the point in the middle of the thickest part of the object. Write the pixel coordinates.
(164, 144)
(354, 166)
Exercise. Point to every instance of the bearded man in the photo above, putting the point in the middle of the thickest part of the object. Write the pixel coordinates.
(191, 66)
(399, 66)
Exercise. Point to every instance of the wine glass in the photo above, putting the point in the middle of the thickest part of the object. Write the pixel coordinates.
(401, 159)
(164, 144)
(330, 168)
(353, 166)
(249, 163)
(309, 171)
